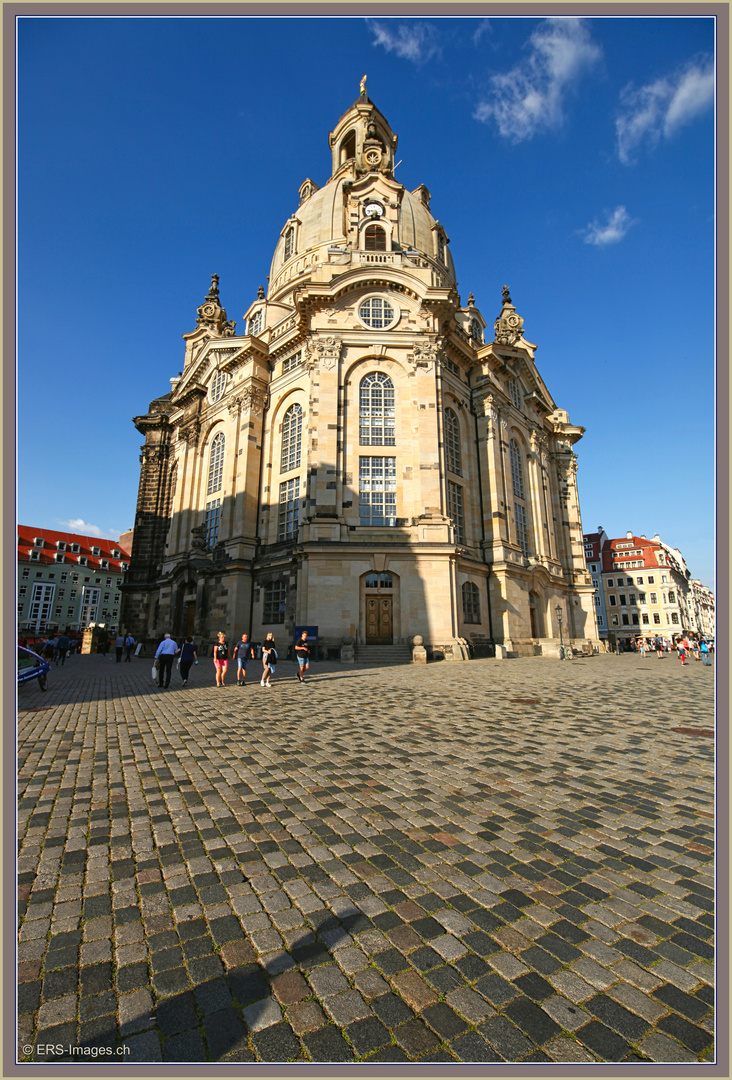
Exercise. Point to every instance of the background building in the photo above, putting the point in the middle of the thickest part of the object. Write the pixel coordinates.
(67, 580)
(646, 588)
(594, 543)
(360, 460)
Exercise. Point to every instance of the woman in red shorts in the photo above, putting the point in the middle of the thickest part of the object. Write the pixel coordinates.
(221, 658)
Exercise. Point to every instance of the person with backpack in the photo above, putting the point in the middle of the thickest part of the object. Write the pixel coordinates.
(221, 658)
(704, 650)
(129, 646)
(269, 659)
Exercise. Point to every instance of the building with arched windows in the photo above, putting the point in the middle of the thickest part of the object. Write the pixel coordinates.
(360, 458)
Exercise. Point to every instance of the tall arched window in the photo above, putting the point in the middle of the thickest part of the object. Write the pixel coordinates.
(517, 478)
(291, 438)
(377, 414)
(215, 482)
(452, 442)
(374, 238)
(216, 464)
(517, 473)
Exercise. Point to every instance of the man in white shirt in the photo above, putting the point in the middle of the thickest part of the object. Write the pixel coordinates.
(165, 654)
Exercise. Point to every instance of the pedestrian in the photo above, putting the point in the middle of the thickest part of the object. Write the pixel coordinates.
(695, 649)
(642, 648)
(62, 648)
(221, 658)
(704, 650)
(165, 655)
(188, 657)
(302, 655)
(681, 646)
(243, 653)
(129, 646)
(119, 646)
(49, 648)
(269, 659)
(659, 648)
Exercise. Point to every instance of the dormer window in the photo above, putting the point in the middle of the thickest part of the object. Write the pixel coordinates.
(476, 331)
(35, 555)
(59, 556)
(104, 564)
(116, 553)
(61, 545)
(374, 238)
(82, 560)
(96, 550)
(289, 242)
(75, 548)
(256, 323)
(124, 565)
(38, 541)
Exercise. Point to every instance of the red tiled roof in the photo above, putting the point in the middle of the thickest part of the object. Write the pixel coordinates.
(27, 534)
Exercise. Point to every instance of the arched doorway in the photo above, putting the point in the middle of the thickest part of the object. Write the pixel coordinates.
(379, 604)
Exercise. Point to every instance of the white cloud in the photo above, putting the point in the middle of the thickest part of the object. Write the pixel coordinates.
(482, 28)
(660, 108)
(415, 41)
(83, 528)
(611, 231)
(530, 97)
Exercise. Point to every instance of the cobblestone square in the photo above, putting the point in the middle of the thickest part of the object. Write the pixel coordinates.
(467, 862)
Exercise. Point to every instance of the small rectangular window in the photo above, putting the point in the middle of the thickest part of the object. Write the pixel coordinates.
(626, 620)
(623, 600)
(613, 600)
(614, 620)
(653, 598)
(656, 618)
(644, 618)
(651, 580)
(610, 583)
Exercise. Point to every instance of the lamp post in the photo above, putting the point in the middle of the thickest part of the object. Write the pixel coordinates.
(558, 612)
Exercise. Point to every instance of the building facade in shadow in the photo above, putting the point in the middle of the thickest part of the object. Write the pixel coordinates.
(369, 457)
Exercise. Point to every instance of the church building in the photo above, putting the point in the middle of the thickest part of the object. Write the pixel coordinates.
(369, 457)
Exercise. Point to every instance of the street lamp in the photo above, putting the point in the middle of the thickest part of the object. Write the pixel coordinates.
(558, 612)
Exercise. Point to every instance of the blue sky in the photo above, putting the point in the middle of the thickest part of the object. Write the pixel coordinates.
(572, 160)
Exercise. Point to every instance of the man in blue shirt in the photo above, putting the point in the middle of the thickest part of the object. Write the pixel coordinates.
(165, 654)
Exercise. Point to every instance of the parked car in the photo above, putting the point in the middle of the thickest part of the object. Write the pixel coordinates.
(32, 666)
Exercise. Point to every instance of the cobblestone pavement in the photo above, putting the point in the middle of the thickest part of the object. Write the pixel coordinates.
(481, 862)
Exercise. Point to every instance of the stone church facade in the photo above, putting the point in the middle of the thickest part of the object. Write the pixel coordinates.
(362, 459)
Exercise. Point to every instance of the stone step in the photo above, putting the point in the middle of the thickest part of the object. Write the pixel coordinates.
(383, 654)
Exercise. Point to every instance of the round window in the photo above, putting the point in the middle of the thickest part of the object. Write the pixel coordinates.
(377, 313)
(218, 385)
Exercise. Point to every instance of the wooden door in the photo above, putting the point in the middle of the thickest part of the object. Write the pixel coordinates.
(379, 620)
(190, 618)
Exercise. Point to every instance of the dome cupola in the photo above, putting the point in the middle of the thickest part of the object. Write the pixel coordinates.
(362, 140)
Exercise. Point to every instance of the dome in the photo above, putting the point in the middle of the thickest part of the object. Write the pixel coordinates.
(363, 147)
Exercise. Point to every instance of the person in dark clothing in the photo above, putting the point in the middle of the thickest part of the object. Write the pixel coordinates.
(302, 655)
(187, 659)
(62, 648)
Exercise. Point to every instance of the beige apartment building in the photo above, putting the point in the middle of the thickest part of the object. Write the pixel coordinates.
(371, 457)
